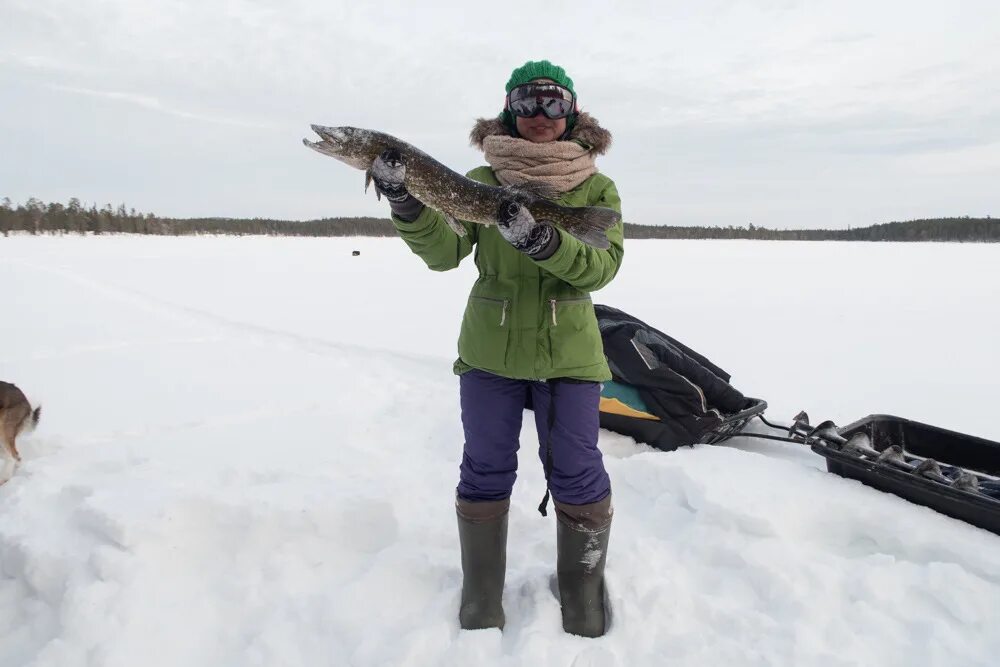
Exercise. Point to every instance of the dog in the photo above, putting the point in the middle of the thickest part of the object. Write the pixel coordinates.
(16, 415)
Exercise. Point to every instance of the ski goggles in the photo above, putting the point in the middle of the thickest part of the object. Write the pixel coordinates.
(530, 99)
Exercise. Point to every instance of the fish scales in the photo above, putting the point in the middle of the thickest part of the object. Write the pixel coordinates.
(459, 197)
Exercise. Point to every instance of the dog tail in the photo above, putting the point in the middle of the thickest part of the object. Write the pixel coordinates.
(35, 416)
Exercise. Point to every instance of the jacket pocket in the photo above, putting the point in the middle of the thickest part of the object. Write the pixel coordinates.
(482, 342)
(574, 338)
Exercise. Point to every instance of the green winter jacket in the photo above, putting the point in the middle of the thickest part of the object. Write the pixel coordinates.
(527, 319)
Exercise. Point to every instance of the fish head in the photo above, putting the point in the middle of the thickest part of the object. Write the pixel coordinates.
(351, 145)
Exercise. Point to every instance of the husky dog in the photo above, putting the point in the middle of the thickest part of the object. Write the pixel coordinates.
(16, 415)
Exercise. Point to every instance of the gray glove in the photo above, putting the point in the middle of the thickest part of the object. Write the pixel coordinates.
(538, 240)
(388, 173)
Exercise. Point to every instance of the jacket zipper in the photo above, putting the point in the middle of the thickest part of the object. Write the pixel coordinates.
(504, 302)
(553, 303)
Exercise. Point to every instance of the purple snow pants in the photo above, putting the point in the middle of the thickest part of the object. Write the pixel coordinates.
(567, 420)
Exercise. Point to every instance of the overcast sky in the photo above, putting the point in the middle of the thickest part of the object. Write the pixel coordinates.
(782, 113)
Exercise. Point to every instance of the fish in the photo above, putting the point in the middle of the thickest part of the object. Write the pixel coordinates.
(458, 197)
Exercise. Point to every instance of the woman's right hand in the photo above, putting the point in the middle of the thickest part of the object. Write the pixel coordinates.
(388, 173)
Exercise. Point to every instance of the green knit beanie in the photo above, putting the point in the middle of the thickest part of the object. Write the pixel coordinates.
(539, 69)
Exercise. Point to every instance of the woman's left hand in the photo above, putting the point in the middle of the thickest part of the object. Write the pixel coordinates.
(536, 239)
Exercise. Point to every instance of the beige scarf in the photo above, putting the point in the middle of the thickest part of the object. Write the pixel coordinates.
(560, 164)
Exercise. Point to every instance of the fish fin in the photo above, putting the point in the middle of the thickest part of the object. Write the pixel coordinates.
(454, 224)
(368, 181)
(539, 189)
(591, 223)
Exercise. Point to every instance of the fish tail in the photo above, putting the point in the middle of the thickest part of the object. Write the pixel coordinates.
(590, 224)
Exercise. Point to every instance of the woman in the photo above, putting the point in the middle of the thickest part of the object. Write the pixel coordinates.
(529, 337)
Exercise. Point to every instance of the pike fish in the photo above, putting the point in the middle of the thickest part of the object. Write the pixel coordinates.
(458, 197)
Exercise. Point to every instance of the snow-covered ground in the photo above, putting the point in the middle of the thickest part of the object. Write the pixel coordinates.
(249, 448)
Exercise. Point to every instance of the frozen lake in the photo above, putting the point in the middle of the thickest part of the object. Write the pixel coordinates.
(249, 447)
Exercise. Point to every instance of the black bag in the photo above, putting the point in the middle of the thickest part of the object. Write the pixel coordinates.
(686, 398)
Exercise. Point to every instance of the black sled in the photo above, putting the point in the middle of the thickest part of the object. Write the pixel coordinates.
(667, 395)
(953, 473)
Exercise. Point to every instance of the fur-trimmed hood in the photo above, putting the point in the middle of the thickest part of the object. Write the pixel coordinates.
(586, 130)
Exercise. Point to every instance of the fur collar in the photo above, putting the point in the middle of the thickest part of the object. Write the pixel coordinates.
(587, 130)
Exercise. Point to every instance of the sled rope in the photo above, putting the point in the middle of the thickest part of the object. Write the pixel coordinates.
(543, 507)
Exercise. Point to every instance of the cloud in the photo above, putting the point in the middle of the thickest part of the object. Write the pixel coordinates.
(155, 104)
(739, 102)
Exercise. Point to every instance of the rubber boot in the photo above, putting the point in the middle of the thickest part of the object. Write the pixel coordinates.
(582, 545)
(482, 530)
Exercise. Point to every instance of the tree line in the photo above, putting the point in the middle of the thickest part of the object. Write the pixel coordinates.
(36, 217)
(982, 230)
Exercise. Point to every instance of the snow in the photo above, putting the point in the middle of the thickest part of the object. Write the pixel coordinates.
(249, 448)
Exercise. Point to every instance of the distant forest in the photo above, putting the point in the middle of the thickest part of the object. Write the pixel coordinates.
(36, 217)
